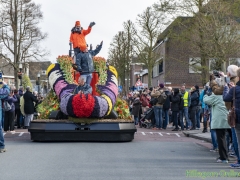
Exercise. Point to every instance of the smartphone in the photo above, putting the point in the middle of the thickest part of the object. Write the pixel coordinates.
(227, 80)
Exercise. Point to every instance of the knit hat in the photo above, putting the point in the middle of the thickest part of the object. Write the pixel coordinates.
(161, 85)
(197, 87)
(232, 69)
(77, 23)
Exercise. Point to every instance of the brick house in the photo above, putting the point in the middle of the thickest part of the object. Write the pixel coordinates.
(138, 71)
(172, 66)
(7, 72)
(39, 68)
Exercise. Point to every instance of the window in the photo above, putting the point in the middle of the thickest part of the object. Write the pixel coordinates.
(195, 65)
(160, 67)
(234, 61)
(155, 71)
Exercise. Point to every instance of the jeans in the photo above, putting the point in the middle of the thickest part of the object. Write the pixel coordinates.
(235, 143)
(76, 51)
(88, 78)
(198, 113)
(3, 114)
(186, 115)
(28, 119)
(166, 119)
(237, 130)
(136, 120)
(214, 138)
(2, 145)
(158, 116)
(213, 134)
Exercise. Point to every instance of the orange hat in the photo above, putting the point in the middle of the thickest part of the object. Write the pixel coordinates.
(77, 23)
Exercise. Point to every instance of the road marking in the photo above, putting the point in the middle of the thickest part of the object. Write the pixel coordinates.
(177, 135)
(4, 134)
(21, 134)
(143, 133)
(151, 132)
(160, 134)
(168, 133)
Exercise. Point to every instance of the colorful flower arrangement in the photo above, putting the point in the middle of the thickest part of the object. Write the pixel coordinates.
(61, 79)
(122, 108)
(100, 67)
(66, 66)
(76, 105)
(50, 103)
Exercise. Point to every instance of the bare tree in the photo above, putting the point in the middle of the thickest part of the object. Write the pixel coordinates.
(120, 53)
(20, 35)
(149, 25)
(213, 31)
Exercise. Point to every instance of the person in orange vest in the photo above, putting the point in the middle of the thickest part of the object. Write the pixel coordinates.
(77, 37)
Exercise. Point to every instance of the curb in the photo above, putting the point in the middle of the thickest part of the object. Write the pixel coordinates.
(197, 136)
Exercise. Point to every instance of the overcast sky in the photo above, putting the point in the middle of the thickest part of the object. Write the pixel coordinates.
(59, 17)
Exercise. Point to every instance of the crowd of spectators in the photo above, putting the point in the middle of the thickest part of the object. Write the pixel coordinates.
(186, 109)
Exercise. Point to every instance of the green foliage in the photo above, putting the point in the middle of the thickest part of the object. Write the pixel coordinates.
(26, 82)
(122, 108)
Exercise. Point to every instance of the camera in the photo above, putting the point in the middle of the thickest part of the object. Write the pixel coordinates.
(216, 73)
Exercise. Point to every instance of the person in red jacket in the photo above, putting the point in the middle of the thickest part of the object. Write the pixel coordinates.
(145, 101)
(77, 37)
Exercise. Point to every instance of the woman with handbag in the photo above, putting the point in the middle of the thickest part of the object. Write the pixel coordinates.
(233, 95)
(9, 115)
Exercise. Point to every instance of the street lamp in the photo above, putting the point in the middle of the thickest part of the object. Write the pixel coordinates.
(47, 86)
(38, 76)
(20, 73)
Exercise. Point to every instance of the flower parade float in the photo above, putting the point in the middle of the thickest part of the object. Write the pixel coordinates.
(87, 117)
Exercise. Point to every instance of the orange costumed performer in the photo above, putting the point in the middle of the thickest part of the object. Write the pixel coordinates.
(77, 37)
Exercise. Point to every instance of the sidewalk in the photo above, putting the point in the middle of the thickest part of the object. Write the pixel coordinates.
(197, 134)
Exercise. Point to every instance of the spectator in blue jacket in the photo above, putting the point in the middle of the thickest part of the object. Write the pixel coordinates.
(9, 115)
(84, 62)
(228, 97)
(205, 109)
(4, 91)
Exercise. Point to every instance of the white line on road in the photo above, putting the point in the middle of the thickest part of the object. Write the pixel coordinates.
(177, 135)
(151, 132)
(4, 134)
(160, 134)
(168, 133)
(21, 133)
(143, 133)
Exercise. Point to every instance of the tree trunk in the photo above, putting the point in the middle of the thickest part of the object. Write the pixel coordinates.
(149, 77)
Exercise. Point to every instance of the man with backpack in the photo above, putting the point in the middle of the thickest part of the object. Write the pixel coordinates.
(160, 97)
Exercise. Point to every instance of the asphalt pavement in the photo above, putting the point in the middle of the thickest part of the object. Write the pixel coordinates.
(152, 155)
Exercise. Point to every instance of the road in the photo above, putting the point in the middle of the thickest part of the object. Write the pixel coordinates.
(151, 155)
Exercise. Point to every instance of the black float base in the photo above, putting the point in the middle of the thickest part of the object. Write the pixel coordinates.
(69, 131)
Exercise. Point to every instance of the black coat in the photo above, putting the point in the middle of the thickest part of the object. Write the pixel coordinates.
(175, 99)
(136, 107)
(29, 98)
(194, 98)
(166, 105)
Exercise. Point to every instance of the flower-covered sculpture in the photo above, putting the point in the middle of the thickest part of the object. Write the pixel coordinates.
(83, 105)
